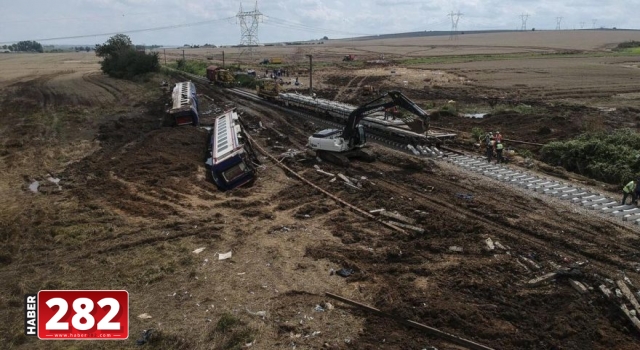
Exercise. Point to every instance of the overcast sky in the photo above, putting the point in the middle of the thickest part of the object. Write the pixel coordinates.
(289, 20)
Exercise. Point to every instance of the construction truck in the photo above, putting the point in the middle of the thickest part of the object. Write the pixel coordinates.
(268, 89)
(273, 60)
(349, 58)
(338, 146)
(220, 77)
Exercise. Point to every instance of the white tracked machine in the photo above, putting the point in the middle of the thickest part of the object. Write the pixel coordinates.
(338, 146)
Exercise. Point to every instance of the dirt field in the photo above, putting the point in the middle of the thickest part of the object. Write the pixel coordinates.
(134, 205)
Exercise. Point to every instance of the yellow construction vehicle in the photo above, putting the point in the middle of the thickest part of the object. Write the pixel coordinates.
(220, 77)
(268, 89)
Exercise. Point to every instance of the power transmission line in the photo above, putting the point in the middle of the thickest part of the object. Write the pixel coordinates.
(594, 23)
(558, 20)
(249, 21)
(455, 17)
(282, 23)
(524, 18)
(192, 24)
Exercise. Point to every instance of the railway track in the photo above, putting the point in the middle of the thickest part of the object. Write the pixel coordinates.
(572, 193)
(566, 191)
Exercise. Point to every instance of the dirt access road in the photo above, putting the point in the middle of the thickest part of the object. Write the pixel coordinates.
(135, 204)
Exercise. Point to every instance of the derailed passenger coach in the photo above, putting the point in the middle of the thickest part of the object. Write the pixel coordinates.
(230, 155)
(185, 108)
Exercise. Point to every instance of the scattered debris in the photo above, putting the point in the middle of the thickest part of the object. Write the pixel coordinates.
(490, 244)
(499, 245)
(345, 272)
(350, 182)
(578, 286)
(262, 314)
(532, 264)
(397, 216)
(224, 256)
(34, 186)
(542, 279)
(429, 330)
(289, 154)
(631, 317)
(467, 196)
(55, 181)
(627, 293)
(146, 336)
(456, 249)
(409, 227)
(144, 316)
(318, 308)
(322, 171)
(606, 291)
(199, 250)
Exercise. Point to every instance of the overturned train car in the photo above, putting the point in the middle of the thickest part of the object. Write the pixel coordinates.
(230, 157)
(184, 109)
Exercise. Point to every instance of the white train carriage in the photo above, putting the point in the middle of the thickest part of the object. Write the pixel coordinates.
(185, 108)
(230, 154)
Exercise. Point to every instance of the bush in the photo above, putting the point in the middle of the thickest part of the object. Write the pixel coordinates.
(628, 44)
(246, 81)
(121, 60)
(477, 133)
(192, 67)
(129, 63)
(609, 157)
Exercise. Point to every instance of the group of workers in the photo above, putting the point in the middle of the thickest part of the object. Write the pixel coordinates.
(494, 145)
(631, 189)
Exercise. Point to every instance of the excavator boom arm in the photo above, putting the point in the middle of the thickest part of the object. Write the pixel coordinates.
(397, 99)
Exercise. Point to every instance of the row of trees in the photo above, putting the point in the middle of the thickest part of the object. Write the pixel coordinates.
(25, 46)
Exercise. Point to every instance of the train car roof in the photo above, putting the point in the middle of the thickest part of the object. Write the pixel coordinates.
(182, 94)
(225, 135)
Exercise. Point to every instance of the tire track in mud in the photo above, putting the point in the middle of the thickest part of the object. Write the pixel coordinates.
(345, 87)
(91, 79)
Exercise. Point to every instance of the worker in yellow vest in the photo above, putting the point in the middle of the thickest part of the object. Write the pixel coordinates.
(629, 189)
(499, 148)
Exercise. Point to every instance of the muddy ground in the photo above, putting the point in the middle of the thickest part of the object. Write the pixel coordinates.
(134, 203)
